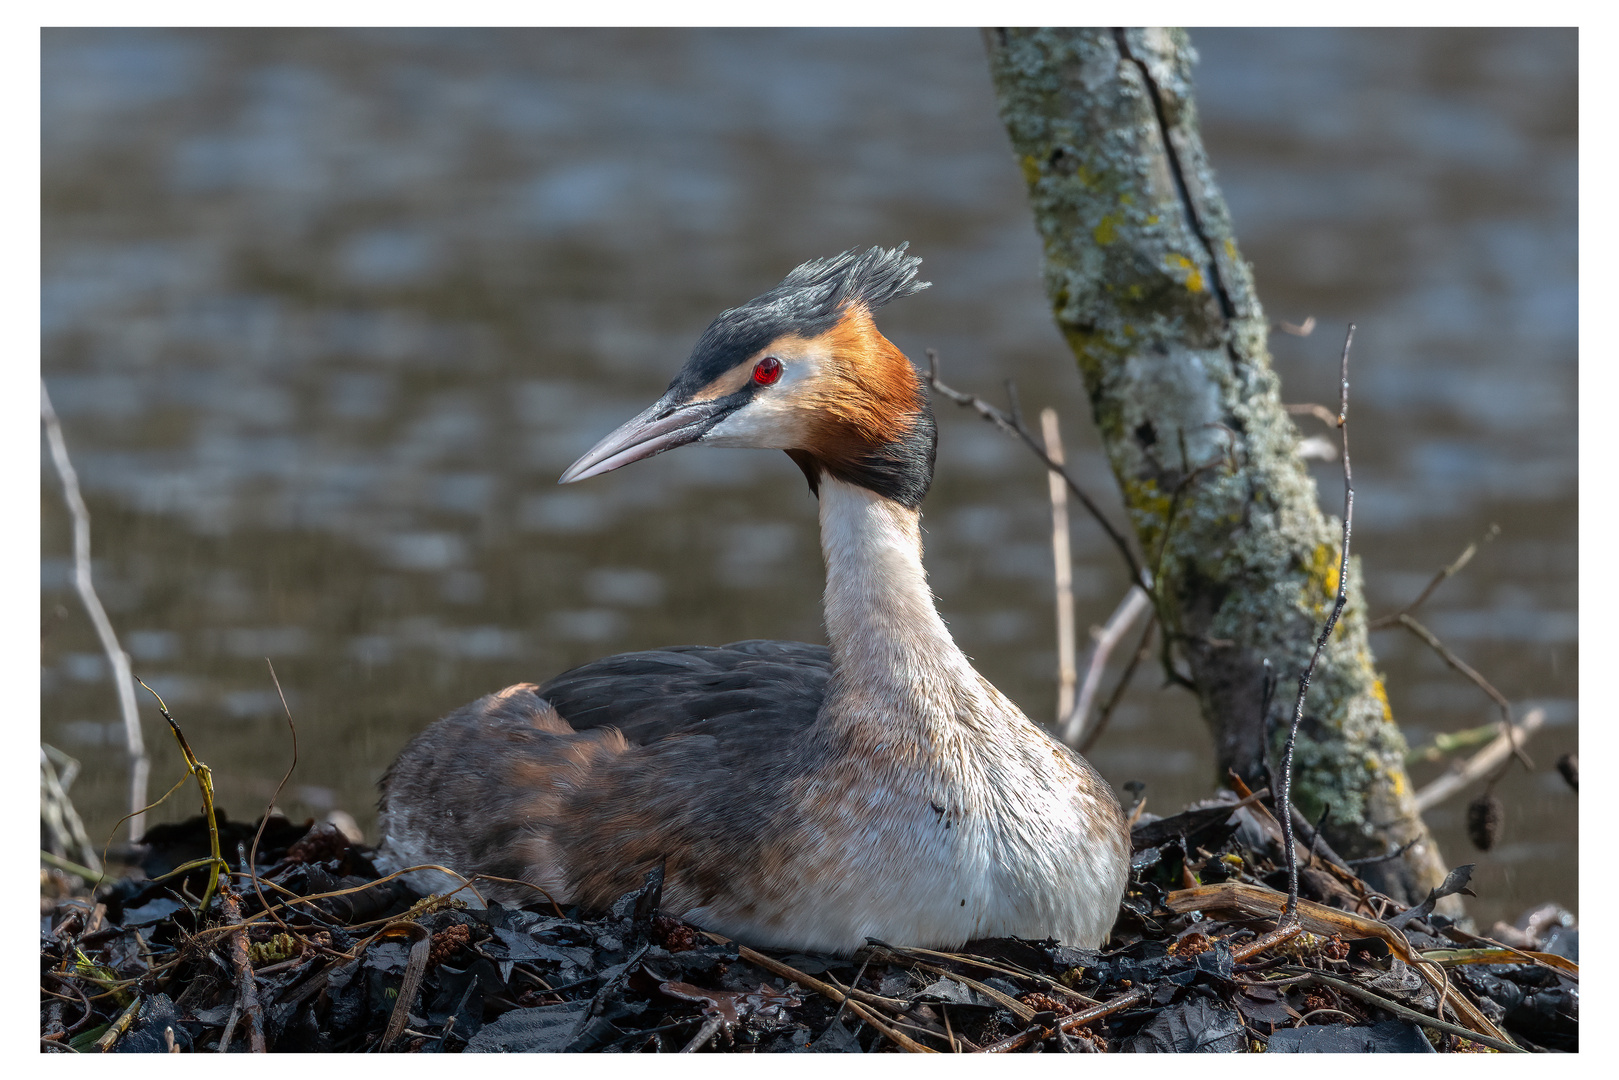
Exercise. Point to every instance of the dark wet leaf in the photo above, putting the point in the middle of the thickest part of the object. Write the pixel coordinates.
(388, 957)
(1532, 1002)
(525, 922)
(461, 995)
(1388, 1037)
(1195, 1026)
(1208, 825)
(153, 911)
(1145, 961)
(1398, 981)
(1455, 882)
(597, 1032)
(516, 945)
(1264, 1004)
(1063, 957)
(795, 1040)
(836, 1039)
(1216, 962)
(216, 1016)
(895, 984)
(541, 1030)
(146, 1036)
(947, 990)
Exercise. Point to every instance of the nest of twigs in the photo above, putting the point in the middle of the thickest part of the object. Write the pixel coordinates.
(315, 952)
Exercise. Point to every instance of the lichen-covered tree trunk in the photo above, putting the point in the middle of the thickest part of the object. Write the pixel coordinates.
(1147, 285)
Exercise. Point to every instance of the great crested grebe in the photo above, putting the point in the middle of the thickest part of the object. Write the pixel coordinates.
(798, 796)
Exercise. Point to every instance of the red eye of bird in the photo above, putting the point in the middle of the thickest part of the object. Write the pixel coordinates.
(767, 371)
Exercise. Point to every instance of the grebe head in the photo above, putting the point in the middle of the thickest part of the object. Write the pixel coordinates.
(803, 369)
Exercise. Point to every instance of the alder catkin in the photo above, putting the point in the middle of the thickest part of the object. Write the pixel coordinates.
(1484, 817)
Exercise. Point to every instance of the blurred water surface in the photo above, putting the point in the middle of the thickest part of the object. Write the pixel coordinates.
(326, 313)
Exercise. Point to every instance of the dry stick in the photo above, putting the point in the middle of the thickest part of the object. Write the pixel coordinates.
(119, 1026)
(1320, 412)
(706, 1032)
(415, 968)
(60, 817)
(809, 982)
(1011, 1004)
(312, 897)
(1013, 425)
(1403, 618)
(247, 994)
(1439, 578)
(1135, 602)
(854, 986)
(1094, 731)
(1410, 1014)
(1130, 997)
(1286, 797)
(1481, 763)
(1457, 664)
(140, 764)
(968, 959)
(1062, 557)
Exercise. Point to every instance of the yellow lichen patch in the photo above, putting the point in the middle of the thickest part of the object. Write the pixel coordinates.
(1152, 219)
(1375, 767)
(1194, 276)
(1321, 583)
(1106, 230)
(1397, 781)
(1382, 696)
(1145, 499)
(1230, 248)
(1031, 170)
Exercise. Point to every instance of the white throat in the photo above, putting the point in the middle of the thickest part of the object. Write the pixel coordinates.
(884, 630)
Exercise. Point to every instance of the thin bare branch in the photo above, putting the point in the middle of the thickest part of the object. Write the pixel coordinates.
(253, 855)
(1132, 607)
(1013, 426)
(1466, 670)
(1482, 763)
(1285, 799)
(247, 995)
(140, 764)
(1093, 731)
(1062, 558)
(1320, 412)
(1439, 579)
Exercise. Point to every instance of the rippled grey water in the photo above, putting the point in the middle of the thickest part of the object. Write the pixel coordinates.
(326, 313)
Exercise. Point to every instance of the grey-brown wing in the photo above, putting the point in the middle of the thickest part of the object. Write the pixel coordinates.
(694, 688)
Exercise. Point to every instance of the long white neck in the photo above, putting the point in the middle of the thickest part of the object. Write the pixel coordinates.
(889, 645)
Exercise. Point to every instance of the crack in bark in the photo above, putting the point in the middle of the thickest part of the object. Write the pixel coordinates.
(1188, 205)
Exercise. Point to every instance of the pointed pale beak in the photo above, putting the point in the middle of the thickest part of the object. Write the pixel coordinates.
(661, 427)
